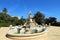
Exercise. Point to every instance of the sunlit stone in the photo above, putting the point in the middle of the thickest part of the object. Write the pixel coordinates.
(22, 31)
(30, 27)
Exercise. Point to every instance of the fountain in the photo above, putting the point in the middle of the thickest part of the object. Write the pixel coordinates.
(30, 28)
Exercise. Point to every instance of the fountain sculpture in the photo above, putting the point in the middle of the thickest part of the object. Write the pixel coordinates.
(30, 28)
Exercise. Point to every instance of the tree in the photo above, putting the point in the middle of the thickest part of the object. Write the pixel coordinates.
(22, 20)
(52, 20)
(47, 21)
(4, 10)
(39, 17)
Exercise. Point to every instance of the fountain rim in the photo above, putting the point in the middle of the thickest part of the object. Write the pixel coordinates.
(27, 35)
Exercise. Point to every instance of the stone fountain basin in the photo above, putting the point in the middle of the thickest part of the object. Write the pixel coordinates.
(35, 36)
(10, 33)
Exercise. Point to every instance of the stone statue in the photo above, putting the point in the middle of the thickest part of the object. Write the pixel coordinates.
(30, 22)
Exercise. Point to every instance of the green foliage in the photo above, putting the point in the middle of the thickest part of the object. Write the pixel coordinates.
(51, 20)
(4, 10)
(18, 30)
(4, 24)
(57, 24)
(47, 21)
(6, 20)
(39, 17)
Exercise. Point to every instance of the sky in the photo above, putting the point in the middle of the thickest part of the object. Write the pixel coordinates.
(50, 8)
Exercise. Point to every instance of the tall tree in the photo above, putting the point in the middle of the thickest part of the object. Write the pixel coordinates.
(47, 21)
(4, 10)
(39, 17)
(52, 20)
(21, 21)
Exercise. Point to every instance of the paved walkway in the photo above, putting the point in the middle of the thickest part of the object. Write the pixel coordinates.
(52, 34)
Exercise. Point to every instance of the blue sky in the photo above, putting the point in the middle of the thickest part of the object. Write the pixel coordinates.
(22, 7)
